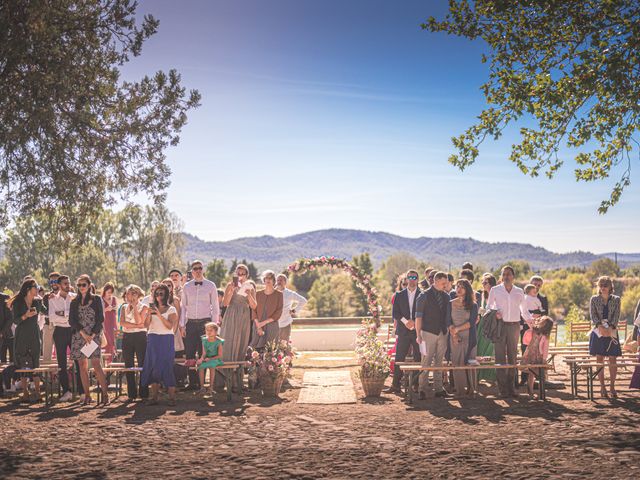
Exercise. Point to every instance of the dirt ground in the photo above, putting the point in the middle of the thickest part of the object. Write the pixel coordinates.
(375, 438)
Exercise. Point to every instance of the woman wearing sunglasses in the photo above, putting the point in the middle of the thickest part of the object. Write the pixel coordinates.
(161, 320)
(86, 318)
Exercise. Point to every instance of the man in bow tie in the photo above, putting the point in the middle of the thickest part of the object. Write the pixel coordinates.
(199, 305)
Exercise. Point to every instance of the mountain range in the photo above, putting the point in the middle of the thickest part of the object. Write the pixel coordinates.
(272, 252)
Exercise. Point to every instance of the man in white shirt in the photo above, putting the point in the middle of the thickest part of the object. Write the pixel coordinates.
(59, 306)
(199, 306)
(47, 328)
(149, 298)
(288, 308)
(508, 300)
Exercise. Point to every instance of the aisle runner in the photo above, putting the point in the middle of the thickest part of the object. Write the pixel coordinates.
(327, 386)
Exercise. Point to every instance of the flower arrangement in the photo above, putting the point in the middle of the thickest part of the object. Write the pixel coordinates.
(373, 358)
(363, 281)
(275, 361)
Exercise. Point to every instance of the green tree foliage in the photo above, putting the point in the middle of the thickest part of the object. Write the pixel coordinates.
(574, 289)
(603, 266)
(364, 264)
(628, 302)
(253, 270)
(569, 69)
(136, 245)
(302, 283)
(216, 271)
(331, 296)
(576, 315)
(523, 270)
(152, 240)
(394, 266)
(73, 135)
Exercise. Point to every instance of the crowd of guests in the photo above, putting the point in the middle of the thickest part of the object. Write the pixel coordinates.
(442, 317)
(179, 318)
(438, 318)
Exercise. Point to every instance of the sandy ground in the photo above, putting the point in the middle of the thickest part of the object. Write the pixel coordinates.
(375, 438)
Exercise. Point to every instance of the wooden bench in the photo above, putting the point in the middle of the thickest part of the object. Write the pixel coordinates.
(586, 327)
(538, 370)
(227, 370)
(587, 364)
(46, 373)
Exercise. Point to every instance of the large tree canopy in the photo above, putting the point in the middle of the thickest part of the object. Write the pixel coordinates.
(572, 67)
(72, 134)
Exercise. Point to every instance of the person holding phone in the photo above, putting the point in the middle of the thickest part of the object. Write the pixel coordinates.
(86, 318)
(161, 319)
(134, 338)
(239, 299)
(26, 306)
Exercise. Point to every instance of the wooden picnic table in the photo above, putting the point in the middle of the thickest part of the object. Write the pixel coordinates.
(46, 373)
(588, 364)
(235, 366)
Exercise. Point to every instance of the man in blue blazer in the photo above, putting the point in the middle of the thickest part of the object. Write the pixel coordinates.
(404, 316)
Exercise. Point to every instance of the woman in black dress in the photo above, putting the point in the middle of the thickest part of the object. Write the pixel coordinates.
(86, 318)
(25, 306)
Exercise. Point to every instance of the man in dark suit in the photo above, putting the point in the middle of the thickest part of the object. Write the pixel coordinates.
(432, 310)
(404, 315)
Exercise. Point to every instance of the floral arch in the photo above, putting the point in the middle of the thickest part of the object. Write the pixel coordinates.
(363, 281)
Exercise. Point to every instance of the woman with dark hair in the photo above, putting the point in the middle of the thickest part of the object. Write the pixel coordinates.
(604, 341)
(161, 320)
(26, 306)
(485, 346)
(86, 318)
(461, 319)
(110, 324)
(269, 304)
(174, 301)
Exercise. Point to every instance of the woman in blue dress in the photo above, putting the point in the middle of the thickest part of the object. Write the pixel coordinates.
(157, 369)
(604, 341)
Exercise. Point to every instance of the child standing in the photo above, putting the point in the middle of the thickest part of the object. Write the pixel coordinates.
(538, 349)
(531, 310)
(211, 354)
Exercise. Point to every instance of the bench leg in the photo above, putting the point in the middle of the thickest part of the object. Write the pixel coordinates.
(541, 388)
(409, 388)
(228, 384)
(404, 385)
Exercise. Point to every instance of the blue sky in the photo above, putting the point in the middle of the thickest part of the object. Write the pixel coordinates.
(319, 114)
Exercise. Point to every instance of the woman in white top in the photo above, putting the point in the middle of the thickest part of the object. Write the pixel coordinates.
(161, 320)
(134, 337)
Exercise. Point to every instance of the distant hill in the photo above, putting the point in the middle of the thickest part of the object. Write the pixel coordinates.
(271, 252)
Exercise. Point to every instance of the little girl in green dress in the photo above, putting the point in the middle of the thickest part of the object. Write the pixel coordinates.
(211, 354)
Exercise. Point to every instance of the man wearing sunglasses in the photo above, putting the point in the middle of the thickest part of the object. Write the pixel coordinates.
(47, 329)
(404, 316)
(199, 305)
